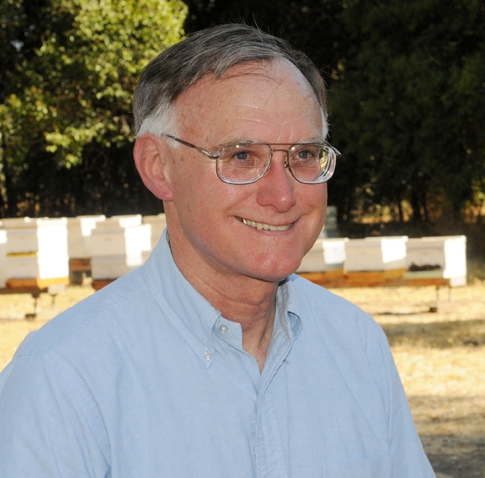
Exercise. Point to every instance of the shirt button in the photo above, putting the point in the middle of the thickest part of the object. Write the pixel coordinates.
(207, 356)
(223, 329)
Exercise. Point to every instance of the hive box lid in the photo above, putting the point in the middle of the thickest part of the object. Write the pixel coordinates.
(122, 221)
(28, 222)
(83, 225)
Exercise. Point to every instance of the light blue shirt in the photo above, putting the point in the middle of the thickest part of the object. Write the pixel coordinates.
(145, 379)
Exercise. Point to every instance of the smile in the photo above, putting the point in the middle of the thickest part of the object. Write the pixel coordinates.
(266, 227)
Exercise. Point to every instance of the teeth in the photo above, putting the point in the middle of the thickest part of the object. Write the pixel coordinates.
(266, 227)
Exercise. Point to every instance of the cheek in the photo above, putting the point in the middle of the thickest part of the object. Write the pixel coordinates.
(313, 197)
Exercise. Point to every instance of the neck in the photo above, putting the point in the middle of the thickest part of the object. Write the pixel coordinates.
(249, 301)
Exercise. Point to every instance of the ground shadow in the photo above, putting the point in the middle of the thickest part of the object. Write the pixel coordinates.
(468, 463)
(437, 334)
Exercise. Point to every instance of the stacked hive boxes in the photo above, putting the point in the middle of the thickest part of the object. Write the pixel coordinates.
(330, 228)
(79, 231)
(325, 255)
(3, 256)
(375, 254)
(36, 252)
(157, 224)
(117, 246)
(440, 256)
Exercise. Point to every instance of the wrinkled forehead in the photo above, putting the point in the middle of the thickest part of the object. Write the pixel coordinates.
(274, 71)
(274, 86)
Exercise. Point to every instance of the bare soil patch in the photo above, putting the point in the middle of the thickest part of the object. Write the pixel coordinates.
(440, 356)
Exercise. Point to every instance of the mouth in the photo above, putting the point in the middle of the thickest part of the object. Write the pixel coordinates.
(266, 227)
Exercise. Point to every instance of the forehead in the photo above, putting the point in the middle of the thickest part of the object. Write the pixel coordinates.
(250, 100)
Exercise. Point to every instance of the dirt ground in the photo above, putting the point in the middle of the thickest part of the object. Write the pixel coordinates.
(440, 356)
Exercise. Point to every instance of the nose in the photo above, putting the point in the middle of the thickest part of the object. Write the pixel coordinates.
(276, 187)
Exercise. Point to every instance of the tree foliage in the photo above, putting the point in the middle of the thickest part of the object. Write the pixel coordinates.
(406, 83)
(410, 104)
(71, 73)
(406, 101)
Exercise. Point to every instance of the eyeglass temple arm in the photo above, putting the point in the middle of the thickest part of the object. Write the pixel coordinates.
(336, 151)
(190, 145)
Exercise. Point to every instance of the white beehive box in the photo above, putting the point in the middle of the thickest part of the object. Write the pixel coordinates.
(36, 248)
(121, 236)
(79, 231)
(375, 254)
(117, 246)
(325, 255)
(158, 224)
(112, 267)
(3, 257)
(43, 236)
(440, 256)
(42, 267)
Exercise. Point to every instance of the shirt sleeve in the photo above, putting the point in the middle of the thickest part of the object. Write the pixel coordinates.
(408, 456)
(50, 425)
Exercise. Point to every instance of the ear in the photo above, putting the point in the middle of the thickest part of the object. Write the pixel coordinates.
(151, 162)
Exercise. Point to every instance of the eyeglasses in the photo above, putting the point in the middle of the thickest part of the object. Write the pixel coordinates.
(245, 163)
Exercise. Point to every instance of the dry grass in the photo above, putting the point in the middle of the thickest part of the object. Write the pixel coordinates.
(17, 306)
(441, 360)
(440, 356)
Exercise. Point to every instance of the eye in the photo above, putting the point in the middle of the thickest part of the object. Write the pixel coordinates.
(305, 153)
(241, 155)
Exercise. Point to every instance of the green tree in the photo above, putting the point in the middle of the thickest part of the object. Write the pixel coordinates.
(407, 101)
(71, 71)
(410, 105)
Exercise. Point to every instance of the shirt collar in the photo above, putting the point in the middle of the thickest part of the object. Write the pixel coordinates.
(193, 315)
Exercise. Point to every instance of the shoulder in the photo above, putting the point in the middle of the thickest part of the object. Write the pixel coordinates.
(86, 325)
(326, 303)
(338, 320)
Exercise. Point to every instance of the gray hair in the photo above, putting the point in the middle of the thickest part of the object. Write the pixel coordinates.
(210, 52)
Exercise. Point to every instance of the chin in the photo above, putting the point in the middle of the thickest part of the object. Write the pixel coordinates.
(277, 272)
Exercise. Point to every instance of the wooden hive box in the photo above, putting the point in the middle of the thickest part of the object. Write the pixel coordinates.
(375, 254)
(37, 266)
(121, 236)
(36, 252)
(112, 267)
(440, 256)
(325, 255)
(117, 246)
(27, 235)
(330, 228)
(78, 235)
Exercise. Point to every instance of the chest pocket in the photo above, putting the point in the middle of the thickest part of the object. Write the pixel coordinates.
(368, 468)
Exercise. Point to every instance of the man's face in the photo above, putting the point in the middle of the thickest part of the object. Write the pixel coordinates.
(222, 228)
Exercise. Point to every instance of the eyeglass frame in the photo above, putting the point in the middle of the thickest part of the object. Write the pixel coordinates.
(217, 155)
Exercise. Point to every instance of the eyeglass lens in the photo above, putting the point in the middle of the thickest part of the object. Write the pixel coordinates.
(243, 163)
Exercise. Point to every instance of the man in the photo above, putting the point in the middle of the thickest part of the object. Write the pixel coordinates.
(212, 359)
